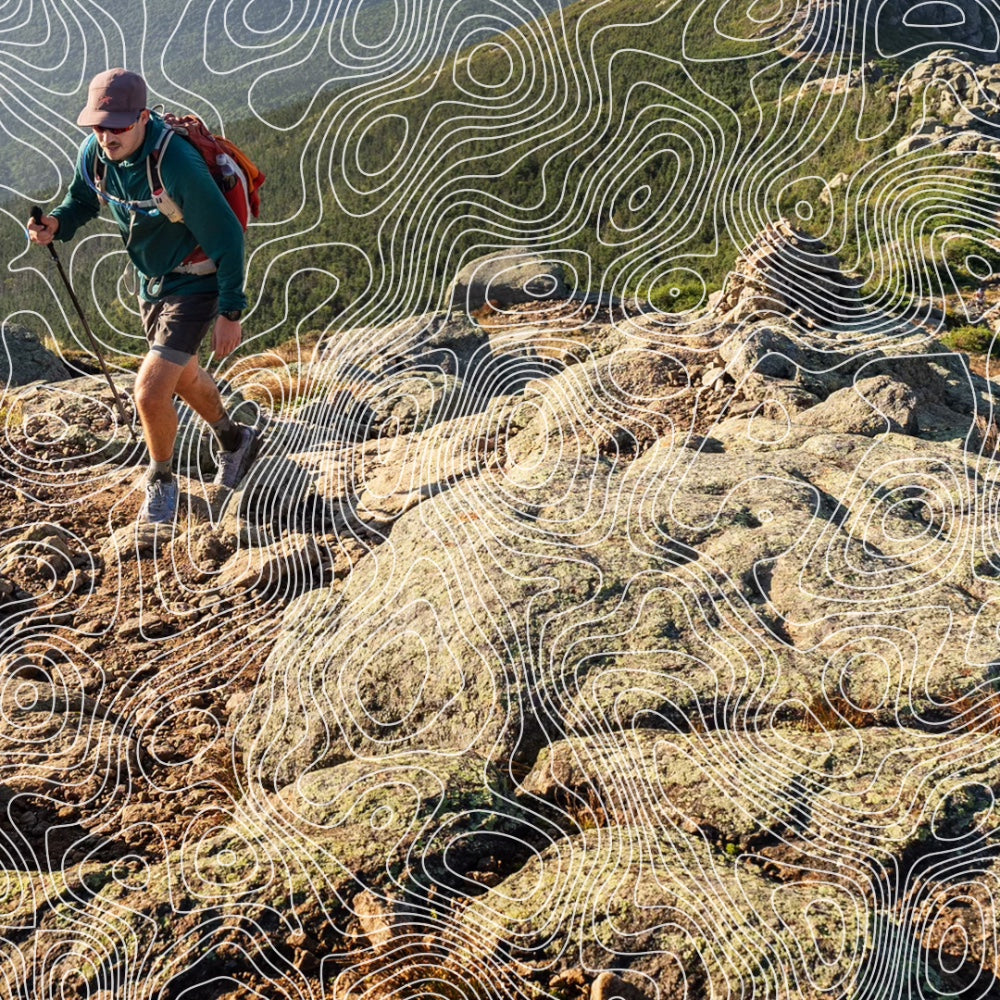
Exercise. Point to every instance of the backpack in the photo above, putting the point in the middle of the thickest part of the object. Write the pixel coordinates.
(238, 177)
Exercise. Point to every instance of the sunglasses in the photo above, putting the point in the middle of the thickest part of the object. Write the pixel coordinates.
(117, 131)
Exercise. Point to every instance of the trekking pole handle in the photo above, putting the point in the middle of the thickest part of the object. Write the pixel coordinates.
(36, 218)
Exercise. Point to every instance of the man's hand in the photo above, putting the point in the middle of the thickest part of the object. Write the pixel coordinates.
(226, 336)
(43, 231)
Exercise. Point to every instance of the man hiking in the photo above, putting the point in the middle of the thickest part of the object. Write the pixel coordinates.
(179, 300)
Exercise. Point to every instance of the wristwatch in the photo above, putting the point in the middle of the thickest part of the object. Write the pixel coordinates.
(232, 315)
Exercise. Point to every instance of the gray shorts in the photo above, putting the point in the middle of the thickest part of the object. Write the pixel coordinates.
(177, 324)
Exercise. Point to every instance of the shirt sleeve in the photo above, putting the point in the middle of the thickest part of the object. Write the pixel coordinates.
(207, 215)
(81, 203)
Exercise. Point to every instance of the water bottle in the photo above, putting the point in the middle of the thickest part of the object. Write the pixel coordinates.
(228, 178)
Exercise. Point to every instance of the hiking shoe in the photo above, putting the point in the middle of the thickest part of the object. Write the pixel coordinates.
(160, 504)
(233, 465)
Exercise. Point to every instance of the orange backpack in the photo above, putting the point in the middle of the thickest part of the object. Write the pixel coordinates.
(238, 177)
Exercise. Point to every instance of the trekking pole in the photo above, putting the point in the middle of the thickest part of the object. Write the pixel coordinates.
(36, 217)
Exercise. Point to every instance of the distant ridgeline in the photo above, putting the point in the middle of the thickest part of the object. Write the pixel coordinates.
(641, 146)
(268, 60)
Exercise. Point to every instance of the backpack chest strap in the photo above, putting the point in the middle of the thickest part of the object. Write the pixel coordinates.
(159, 200)
(98, 183)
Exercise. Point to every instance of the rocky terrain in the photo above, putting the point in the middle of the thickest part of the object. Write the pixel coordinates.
(552, 648)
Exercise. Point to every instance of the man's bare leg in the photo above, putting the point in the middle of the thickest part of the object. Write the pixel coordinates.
(155, 386)
(198, 389)
(157, 383)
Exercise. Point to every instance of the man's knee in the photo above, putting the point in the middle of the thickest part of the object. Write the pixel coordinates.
(156, 381)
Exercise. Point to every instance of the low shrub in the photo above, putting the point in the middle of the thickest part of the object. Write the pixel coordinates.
(680, 297)
(972, 340)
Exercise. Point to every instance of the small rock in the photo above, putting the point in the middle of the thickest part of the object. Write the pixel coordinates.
(871, 406)
(204, 546)
(911, 143)
(608, 986)
(135, 541)
(711, 376)
(129, 628)
(45, 621)
(305, 961)
(376, 917)
(147, 627)
(569, 978)
(94, 626)
(289, 561)
(17, 663)
(304, 950)
(75, 581)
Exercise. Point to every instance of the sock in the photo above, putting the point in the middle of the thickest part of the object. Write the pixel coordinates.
(160, 471)
(227, 433)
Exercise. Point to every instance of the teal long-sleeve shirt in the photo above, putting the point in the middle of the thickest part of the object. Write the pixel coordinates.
(155, 244)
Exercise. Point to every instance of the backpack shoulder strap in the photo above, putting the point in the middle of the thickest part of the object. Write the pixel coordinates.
(153, 160)
(161, 197)
(97, 182)
(97, 173)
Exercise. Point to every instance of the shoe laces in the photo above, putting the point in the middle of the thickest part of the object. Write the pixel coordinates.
(159, 494)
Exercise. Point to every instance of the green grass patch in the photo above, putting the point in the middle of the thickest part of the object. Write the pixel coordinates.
(972, 340)
(682, 296)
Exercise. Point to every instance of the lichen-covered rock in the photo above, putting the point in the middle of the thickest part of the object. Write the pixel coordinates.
(611, 404)
(412, 401)
(83, 412)
(774, 350)
(137, 540)
(776, 546)
(785, 271)
(23, 358)
(652, 904)
(506, 278)
(204, 546)
(286, 564)
(871, 406)
(243, 896)
(954, 915)
(382, 480)
(447, 342)
(941, 76)
(840, 802)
